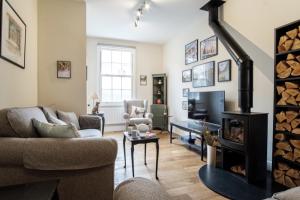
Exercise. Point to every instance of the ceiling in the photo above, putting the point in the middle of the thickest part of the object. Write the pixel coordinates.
(115, 19)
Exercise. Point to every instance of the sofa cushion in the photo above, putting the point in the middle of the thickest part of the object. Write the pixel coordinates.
(20, 120)
(290, 194)
(47, 130)
(89, 133)
(48, 111)
(5, 128)
(140, 188)
(54, 120)
(134, 121)
(69, 118)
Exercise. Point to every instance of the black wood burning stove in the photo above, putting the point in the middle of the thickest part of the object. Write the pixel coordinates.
(244, 134)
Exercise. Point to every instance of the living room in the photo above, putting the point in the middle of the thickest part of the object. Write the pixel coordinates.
(104, 99)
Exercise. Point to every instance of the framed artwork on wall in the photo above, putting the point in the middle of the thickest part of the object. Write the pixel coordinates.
(64, 69)
(191, 52)
(143, 80)
(209, 47)
(184, 105)
(187, 76)
(224, 71)
(204, 75)
(12, 35)
(185, 92)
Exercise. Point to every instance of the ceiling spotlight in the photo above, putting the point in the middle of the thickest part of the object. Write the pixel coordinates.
(147, 5)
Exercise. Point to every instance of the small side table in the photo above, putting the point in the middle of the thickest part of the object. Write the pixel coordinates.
(101, 115)
(32, 191)
(138, 140)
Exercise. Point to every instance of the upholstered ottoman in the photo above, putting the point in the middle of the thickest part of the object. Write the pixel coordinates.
(140, 189)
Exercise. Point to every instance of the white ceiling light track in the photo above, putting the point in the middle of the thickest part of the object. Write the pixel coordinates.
(140, 12)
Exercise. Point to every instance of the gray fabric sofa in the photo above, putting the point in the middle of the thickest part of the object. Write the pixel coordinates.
(130, 121)
(84, 166)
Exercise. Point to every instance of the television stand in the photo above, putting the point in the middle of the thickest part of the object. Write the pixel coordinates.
(194, 127)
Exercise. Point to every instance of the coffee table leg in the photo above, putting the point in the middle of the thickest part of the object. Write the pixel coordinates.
(132, 159)
(124, 140)
(157, 154)
(145, 162)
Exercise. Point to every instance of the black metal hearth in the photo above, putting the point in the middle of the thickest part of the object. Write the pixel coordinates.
(244, 134)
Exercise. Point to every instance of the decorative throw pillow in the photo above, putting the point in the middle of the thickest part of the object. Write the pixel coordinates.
(69, 118)
(47, 130)
(54, 120)
(137, 112)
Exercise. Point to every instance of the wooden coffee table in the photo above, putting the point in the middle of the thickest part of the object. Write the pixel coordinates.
(141, 140)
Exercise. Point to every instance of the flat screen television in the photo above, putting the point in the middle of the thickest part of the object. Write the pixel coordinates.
(206, 106)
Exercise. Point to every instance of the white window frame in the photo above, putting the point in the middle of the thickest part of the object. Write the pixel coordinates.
(99, 75)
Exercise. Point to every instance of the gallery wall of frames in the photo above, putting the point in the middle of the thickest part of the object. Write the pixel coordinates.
(205, 73)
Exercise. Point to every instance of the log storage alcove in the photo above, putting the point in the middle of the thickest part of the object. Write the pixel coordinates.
(286, 141)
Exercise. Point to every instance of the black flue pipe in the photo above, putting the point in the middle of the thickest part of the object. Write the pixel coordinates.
(242, 59)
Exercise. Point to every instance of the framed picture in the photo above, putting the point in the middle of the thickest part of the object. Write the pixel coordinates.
(224, 71)
(12, 35)
(184, 105)
(143, 80)
(187, 76)
(191, 52)
(185, 92)
(209, 47)
(64, 69)
(204, 75)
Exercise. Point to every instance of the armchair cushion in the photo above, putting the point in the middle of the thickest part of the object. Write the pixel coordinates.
(47, 130)
(90, 122)
(149, 115)
(133, 121)
(137, 112)
(69, 118)
(20, 120)
(69, 154)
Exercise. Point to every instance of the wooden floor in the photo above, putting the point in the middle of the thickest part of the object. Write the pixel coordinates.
(177, 171)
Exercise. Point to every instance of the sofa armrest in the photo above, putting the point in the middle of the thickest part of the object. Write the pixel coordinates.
(69, 154)
(90, 122)
(11, 151)
(149, 115)
(126, 116)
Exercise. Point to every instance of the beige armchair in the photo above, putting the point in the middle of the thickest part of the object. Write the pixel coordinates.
(146, 118)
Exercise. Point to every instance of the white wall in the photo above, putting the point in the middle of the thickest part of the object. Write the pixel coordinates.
(19, 86)
(148, 62)
(62, 36)
(252, 23)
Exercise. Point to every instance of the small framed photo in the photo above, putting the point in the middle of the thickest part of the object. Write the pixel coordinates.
(184, 105)
(185, 92)
(64, 69)
(191, 52)
(209, 47)
(224, 71)
(187, 76)
(12, 35)
(204, 75)
(143, 80)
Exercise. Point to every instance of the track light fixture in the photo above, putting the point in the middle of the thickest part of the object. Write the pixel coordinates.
(140, 11)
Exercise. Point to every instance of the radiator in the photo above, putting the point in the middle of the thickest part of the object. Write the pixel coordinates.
(113, 115)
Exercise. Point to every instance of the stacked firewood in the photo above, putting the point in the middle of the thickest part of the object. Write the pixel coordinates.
(288, 67)
(288, 121)
(290, 41)
(286, 175)
(289, 93)
(238, 169)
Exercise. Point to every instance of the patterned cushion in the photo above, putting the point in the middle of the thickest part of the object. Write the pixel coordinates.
(134, 121)
(47, 130)
(69, 118)
(137, 112)
(20, 120)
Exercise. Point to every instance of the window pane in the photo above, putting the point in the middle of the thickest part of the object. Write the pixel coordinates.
(106, 68)
(105, 56)
(126, 69)
(116, 56)
(126, 57)
(116, 68)
(126, 83)
(116, 83)
(106, 95)
(126, 94)
(106, 82)
(117, 95)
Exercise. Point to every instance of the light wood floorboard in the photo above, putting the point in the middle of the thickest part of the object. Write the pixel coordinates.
(177, 171)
